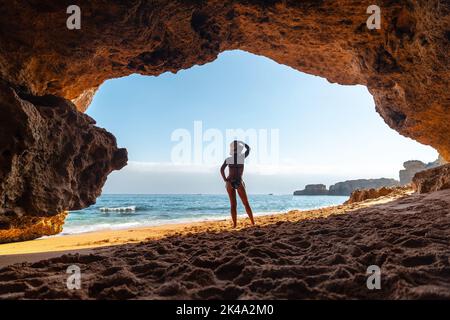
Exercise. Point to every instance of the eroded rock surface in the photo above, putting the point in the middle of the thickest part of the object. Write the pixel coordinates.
(431, 180)
(52, 159)
(369, 194)
(32, 227)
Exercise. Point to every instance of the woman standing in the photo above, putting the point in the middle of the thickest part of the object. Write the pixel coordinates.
(234, 180)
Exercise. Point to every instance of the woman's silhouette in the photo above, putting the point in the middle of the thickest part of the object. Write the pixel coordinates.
(234, 181)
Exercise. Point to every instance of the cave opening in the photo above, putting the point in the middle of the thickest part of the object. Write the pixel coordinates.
(326, 132)
(304, 132)
(54, 158)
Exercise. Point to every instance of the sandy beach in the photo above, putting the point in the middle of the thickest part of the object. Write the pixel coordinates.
(47, 247)
(317, 254)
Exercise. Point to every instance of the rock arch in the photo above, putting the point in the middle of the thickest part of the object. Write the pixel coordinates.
(46, 70)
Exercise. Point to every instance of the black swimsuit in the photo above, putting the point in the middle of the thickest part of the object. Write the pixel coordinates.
(237, 161)
(236, 183)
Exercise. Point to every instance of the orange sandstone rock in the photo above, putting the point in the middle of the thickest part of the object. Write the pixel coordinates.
(431, 180)
(366, 194)
(31, 227)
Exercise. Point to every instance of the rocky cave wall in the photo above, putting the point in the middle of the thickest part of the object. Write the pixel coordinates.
(405, 66)
(52, 159)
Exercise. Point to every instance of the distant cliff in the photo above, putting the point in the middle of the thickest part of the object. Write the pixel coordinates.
(347, 187)
(312, 190)
(414, 166)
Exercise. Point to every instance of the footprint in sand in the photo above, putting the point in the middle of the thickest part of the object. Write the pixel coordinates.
(418, 261)
(231, 269)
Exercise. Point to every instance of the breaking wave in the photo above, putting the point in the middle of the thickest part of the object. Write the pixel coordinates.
(118, 209)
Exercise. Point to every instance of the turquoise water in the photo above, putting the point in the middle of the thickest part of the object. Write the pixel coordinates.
(124, 211)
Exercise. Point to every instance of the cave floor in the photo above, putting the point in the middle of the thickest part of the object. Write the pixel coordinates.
(326, 257)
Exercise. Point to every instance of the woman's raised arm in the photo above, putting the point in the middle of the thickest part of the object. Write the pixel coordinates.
(247, 152)
(222, 170)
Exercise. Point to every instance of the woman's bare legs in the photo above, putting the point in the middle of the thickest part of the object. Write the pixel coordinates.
(232, 195)
(243, 195)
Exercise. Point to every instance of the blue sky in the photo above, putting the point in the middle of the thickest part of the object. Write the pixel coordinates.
(327, 132)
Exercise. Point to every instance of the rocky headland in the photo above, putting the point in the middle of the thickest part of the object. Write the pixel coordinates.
(347, 187)
(313, 190)
(367, 186)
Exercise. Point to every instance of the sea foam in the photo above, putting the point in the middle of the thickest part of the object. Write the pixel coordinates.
(119, 209)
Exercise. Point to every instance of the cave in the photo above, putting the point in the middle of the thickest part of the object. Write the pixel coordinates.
(53, 158)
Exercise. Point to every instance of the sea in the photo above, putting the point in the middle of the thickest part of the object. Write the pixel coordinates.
(122, 211)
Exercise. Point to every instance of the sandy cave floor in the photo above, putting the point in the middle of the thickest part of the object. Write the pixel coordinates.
(321, 258)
